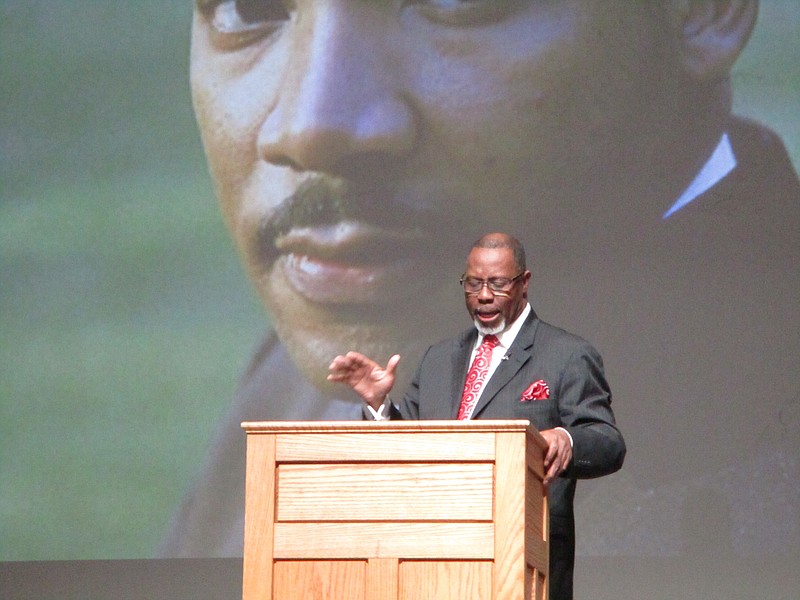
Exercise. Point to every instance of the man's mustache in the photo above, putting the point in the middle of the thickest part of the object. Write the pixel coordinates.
(319, 202)
(315, 202)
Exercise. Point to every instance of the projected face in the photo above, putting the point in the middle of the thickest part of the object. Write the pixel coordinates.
(358, 148)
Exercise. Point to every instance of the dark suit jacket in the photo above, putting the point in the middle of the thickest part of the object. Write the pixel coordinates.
(580, 402)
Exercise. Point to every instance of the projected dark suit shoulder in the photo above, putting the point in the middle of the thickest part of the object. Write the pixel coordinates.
(763, 181)
(210, 521)
(711, 359)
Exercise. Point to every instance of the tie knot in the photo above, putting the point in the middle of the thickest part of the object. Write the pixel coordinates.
(490, 340)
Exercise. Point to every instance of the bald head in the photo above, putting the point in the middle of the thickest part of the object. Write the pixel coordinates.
(504, 240)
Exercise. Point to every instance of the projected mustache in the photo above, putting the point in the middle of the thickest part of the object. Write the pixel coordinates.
(320, 202)
(315, 202)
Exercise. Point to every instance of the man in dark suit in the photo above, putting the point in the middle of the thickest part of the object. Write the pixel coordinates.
(531, 370)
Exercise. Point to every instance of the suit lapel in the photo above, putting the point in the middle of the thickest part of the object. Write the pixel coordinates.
(518, 354)
(458, 369)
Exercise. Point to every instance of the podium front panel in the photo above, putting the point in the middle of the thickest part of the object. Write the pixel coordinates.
(424, 510)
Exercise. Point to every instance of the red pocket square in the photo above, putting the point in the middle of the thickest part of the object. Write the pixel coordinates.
(538, 390)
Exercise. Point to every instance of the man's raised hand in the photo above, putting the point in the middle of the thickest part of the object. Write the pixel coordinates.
(368, 379)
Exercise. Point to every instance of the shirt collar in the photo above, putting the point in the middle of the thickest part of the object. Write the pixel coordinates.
(721, 162)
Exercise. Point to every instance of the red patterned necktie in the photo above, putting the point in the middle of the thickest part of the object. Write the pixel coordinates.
(476, 376)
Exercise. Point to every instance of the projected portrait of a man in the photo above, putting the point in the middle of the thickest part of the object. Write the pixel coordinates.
(358, 148)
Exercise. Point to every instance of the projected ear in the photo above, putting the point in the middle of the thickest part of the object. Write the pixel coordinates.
(712, 34)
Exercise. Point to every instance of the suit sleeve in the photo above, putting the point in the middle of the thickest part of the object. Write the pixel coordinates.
(408, 408)
(585, 411)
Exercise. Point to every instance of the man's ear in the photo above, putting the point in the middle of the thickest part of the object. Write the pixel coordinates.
(712, 34)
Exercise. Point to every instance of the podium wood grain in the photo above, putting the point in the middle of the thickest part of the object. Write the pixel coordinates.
(426, 510)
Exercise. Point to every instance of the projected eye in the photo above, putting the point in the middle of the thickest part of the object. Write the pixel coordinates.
(464, 13)
(243, 20)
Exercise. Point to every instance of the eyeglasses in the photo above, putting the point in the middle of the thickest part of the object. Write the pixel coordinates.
(499, 286)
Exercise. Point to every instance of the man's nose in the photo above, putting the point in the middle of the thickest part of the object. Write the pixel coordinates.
(485, 295)
(341, 98)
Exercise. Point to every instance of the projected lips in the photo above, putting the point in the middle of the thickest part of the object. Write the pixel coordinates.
(348, 262)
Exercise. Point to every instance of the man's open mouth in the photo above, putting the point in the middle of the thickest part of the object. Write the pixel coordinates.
(337, 242)
(350, 262)
(487, 315)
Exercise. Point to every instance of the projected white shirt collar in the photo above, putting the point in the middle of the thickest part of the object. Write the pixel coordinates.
(721, 162)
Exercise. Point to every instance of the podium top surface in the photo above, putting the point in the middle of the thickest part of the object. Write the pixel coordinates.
(384, 426)
(451, 426)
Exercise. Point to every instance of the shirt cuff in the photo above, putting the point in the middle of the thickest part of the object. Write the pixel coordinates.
(382, 414)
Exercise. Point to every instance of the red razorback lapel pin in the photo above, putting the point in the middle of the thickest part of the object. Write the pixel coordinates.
(538, 390)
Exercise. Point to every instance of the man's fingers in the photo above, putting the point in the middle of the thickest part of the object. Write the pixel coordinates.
(550, 455)
(551, 474)
(392, 364)
(558, 455)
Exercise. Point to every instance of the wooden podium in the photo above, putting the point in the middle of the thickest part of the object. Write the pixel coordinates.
(395, 510)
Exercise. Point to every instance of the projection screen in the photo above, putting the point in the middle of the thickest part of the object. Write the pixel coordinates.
(202, 205)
